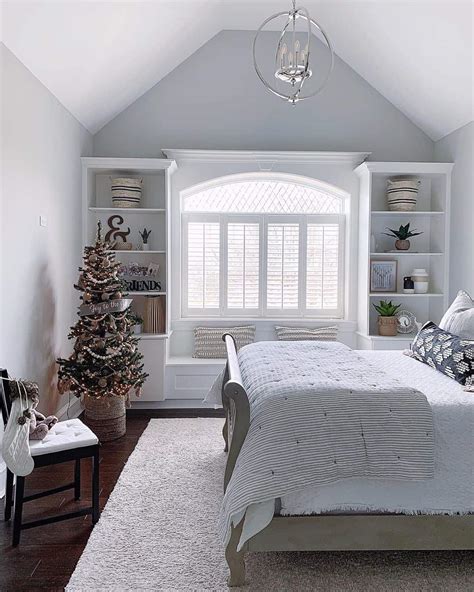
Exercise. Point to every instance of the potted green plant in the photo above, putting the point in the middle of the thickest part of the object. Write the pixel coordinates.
(402, 235)
(387, 321)
(138, 323)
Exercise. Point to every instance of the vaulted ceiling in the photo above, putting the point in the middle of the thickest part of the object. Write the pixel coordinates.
(99, 57)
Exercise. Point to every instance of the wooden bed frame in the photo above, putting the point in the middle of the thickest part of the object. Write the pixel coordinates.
(330, 532)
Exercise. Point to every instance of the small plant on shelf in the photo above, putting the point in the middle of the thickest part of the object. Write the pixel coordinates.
(402, 235)
(387, 321)
(145, 234)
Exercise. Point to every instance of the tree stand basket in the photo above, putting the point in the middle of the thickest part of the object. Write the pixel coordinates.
(105, 416)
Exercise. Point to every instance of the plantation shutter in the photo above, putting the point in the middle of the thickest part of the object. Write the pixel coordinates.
(203, 262)
(322, 272)
(243, 266)
(282, 266)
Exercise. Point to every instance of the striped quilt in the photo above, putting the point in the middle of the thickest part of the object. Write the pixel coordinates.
(320, 413)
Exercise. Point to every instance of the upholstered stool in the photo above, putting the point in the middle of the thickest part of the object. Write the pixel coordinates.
(67, 440)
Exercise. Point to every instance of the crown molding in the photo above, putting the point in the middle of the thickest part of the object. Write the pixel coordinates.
(404, 168)
(267, 157)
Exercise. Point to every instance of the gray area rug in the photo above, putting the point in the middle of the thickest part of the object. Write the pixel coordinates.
(158, 532)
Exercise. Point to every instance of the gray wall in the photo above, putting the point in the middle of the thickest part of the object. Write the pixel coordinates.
(214, 100)
(458, 147)
(41, 148)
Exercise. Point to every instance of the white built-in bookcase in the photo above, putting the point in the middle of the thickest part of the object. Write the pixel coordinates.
(152, 214)
(429, 250)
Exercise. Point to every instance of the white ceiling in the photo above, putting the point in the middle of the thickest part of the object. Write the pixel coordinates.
(98, 57)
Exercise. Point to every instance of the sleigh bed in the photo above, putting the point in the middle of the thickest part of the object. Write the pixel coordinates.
(298, 523)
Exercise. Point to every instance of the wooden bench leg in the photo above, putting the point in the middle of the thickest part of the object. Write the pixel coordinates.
(235, 559)
(77, 479)
(8, 495)
(95, 487)
(17, 516)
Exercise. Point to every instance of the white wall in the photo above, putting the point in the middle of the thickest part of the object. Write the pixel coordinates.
(214, 100)
(458, 147)
(41, 148)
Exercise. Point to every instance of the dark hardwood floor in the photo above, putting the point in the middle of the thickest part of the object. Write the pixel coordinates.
(47, 556)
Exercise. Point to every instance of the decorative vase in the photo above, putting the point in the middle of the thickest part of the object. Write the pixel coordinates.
(126, 192)
(402, 244)
(145, 247)
(105, 416)
(137, 329)
(421, 280)
(387, 326)
(402, 194)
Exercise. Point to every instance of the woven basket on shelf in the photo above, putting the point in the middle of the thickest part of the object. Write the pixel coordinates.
(402, 194)
(126, 193)
(105, 416)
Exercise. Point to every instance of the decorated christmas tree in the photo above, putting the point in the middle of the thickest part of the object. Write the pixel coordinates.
(105, 363)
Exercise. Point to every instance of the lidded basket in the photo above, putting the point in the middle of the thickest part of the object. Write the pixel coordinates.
(126, 192)
(402, 194)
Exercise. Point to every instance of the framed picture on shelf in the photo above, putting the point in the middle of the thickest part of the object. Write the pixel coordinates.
(383, 276)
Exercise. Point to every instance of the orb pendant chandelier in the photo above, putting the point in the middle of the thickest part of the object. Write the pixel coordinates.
(293, 59)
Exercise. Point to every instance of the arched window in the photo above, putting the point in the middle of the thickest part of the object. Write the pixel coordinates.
(260, 245)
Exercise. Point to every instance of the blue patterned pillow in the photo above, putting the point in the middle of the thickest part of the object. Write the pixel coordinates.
(445, 352)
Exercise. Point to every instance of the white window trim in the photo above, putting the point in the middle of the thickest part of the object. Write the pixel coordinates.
(222, 313)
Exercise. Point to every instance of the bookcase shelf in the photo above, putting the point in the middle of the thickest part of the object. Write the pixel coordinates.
(429, 250)
(153, 215)
(130, 210)
(383, 295)
(415, 213)
(403, 254)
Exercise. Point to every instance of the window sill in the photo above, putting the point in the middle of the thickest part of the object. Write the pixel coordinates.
(188, 323)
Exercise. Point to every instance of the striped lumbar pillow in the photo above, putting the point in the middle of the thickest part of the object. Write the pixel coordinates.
(306, 334)
(208, 340)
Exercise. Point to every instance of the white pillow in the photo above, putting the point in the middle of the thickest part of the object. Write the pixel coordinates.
(459, 318)
(208, 340)
(306, 333)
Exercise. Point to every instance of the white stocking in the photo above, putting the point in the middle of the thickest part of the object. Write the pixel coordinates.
(16, 444)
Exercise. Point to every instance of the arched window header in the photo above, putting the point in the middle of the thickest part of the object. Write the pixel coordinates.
(249, 194)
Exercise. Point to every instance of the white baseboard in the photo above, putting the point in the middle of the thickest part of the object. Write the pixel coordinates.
(70, 410)
(174, 404)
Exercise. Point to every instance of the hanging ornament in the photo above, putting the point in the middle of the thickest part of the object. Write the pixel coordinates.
(105, 296)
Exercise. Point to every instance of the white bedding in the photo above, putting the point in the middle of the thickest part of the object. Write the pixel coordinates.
(452, 489)
(322, 413)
